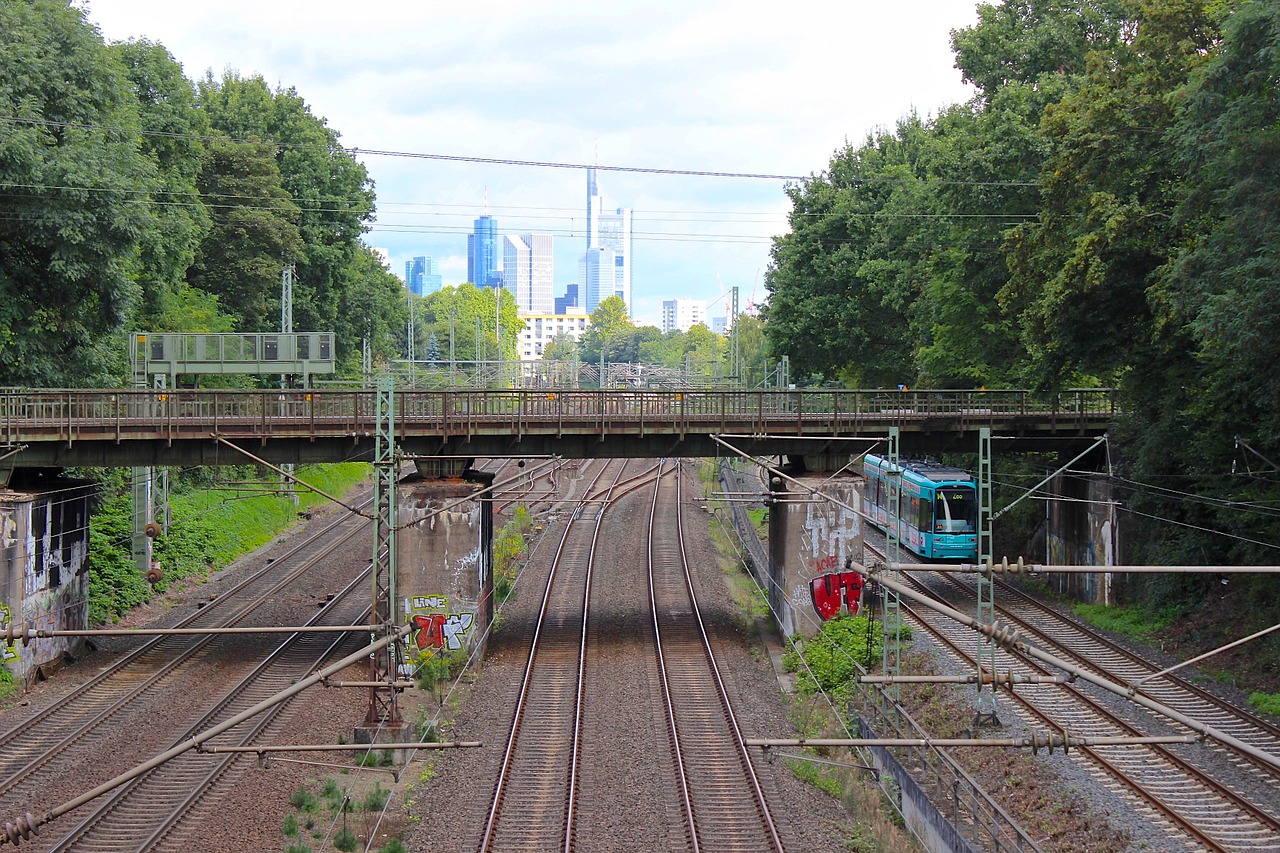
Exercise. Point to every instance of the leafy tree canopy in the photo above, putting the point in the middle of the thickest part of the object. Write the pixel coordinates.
(70, 168)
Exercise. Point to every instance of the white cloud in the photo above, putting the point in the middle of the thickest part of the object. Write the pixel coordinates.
(717, 85)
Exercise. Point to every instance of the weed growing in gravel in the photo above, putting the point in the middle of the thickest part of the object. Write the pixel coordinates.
(1267, 703)
(304, 801)
(376, 758)
(299, 847)
(376, 800)
(290, 827)
(395, 845)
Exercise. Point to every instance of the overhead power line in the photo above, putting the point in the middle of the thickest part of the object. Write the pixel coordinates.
(506, 161)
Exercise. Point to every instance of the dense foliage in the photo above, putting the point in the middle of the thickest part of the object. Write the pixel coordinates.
(209, 529)
(1105, 210)
(833, 658)
(136, 198)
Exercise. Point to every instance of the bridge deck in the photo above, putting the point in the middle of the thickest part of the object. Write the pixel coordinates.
(172, 427)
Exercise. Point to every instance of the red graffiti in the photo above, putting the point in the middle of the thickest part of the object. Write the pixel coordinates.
(826, 563)
(432, 630)
(828, 591)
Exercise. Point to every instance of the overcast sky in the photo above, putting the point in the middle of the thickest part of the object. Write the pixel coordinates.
(745, 87)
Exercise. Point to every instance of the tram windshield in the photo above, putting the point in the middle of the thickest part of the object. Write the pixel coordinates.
(955, 511)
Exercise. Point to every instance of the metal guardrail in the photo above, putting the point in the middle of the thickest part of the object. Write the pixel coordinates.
(38, 414)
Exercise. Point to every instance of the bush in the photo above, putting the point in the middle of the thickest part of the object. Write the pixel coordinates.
(376, 800)
(210, 528)
(1267, 703)
(304, 801)
(830, 660)
(346, 841)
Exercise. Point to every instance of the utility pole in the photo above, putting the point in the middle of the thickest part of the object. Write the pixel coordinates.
(286, 329)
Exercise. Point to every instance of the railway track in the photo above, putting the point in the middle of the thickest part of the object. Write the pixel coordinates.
(130, 709)
(548, 795)
(1171, 789)
(720, 793)
(148, 813)
(1067, 637)
(530, 807)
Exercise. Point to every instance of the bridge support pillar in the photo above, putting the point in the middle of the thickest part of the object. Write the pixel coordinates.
(444, 545)
(815, 548)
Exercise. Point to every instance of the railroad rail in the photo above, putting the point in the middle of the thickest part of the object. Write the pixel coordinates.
(146, 813)
(1179, 794)
(722, 799)
(41, 427)
(68, 744)
(530, 808)
(28, 746)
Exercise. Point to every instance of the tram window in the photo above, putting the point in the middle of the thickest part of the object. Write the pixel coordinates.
(956, 511)
(924, 514)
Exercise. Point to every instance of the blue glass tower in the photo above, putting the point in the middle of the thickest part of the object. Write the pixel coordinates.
(482, 253)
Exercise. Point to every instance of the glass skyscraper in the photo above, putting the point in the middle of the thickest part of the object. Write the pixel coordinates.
(608, 241)
(422, 276)
(482, 253)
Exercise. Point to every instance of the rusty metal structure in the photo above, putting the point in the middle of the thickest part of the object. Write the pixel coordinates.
(148, 426)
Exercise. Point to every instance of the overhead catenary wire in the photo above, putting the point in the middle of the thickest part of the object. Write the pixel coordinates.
(500, 161)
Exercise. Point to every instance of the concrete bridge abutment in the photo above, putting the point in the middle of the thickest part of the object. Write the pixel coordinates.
(444, 567)
(815, 549)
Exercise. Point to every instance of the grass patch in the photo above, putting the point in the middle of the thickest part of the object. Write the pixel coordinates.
(210, 528)
(820, 776)
(1138, 622)
(1267, 703)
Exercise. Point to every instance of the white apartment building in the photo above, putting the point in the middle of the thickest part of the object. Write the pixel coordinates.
(540, 329)
(682, 314)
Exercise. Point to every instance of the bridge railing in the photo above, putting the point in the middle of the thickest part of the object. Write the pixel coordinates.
(40, 414)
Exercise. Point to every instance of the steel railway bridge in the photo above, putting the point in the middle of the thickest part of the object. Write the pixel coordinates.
(159, 427)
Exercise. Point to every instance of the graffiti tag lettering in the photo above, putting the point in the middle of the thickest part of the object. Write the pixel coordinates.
(829, 590)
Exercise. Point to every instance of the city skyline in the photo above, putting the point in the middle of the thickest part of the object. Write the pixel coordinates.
(689, 101)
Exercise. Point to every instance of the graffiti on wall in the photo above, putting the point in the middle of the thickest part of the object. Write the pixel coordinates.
(436, 627)
(831, 590)
(7, 651)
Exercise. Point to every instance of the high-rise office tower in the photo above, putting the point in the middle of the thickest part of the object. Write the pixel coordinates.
(414, 270)
(528, 271)
(609, 232)
(482, 253)
(422, 276)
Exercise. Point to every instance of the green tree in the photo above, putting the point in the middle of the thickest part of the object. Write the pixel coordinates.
(70, 169)
(1082, 271)
(253, 230)
(1210, 387)
(610, 333)
(373, 306)
(330, 188)
(173, 132)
